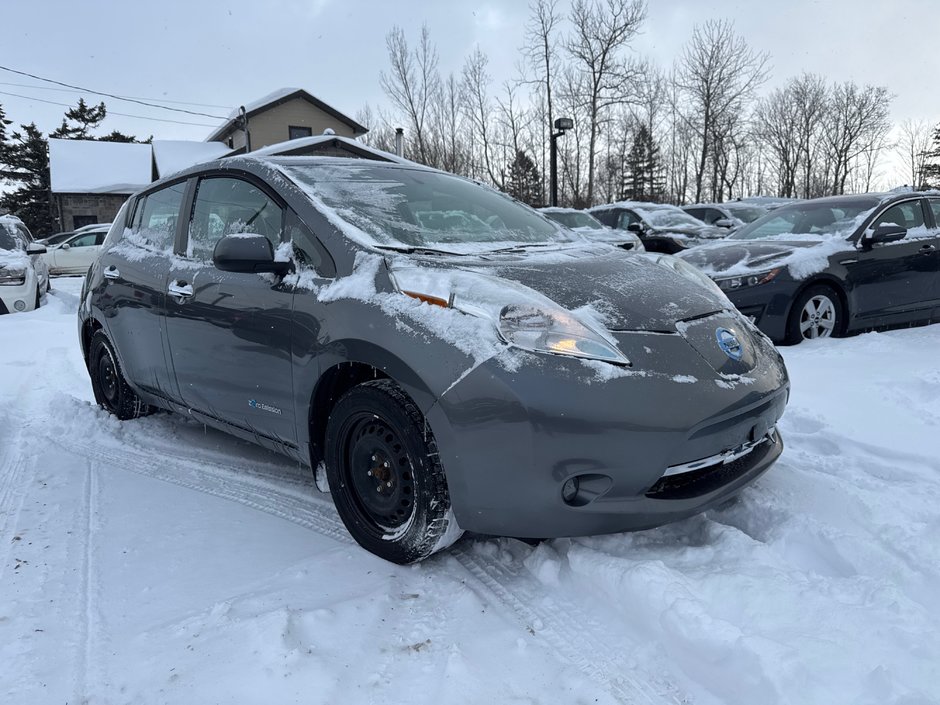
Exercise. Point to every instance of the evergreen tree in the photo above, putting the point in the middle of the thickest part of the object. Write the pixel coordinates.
(525, 180)
(25, 161)
(80, 121)
(642, 178)
(931, 173)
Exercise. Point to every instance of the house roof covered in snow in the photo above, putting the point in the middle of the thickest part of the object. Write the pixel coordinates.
(282, 95)
(88, 166)
(172, 156)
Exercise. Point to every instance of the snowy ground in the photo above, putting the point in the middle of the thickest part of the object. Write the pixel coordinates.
(156, 562)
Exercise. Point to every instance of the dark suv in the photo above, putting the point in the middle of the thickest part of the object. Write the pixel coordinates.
(447, 357)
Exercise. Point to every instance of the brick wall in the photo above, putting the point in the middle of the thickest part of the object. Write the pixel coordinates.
(100, 206)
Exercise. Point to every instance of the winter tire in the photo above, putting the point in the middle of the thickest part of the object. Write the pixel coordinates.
(112, 392)
(38, 295)
(817, 313)
(385, 475)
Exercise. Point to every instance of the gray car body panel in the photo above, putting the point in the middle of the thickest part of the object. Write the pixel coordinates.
(509, 435)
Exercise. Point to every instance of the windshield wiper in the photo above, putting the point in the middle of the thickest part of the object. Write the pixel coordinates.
(522, 246)
(417, 250)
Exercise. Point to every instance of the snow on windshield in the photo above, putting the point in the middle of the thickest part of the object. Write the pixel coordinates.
(812, 220)
(378, 205)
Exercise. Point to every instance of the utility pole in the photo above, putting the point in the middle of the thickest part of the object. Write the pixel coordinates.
(561, 124)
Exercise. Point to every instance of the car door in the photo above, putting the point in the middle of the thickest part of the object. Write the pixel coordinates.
(76, 254)
(229, 333)
(893, 282)
(133, 289)
(931, 248)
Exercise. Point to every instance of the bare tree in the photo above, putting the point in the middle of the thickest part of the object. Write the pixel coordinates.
(913, 146)
(475, 85)
(541, 57)
(412, 85)
(855, 122)
(718, 74)
(777, 125)
(600, 32)
(810, 100)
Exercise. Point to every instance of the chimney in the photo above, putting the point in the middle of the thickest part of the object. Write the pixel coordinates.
(400, 141)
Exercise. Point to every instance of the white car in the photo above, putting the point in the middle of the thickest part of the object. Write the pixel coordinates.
(24, 275)
(75, 254)
(593, 229)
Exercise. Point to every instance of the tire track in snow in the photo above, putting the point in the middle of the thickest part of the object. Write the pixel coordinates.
(12, 468)
(571, 633)
(85, 656)
(562, 625)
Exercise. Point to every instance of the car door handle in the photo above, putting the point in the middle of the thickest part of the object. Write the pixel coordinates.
(927, 248)
(112, 272)
(180, 289)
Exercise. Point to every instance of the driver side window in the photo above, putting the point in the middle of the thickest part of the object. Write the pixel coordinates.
(908, 215)
(226, 206)
(626, 219)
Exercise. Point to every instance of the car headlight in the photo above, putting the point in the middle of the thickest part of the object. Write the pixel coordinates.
(522, 317)
(732, 283)
(556, 332)
(12, 277)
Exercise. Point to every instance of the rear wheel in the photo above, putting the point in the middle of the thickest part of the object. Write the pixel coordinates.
(107, 380)
(817, 313)
(385, 476)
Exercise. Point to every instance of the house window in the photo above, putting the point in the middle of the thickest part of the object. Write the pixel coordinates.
(297, 132)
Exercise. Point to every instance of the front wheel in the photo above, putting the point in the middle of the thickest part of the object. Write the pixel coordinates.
(385, 476)
(817, 313)
(107, 380)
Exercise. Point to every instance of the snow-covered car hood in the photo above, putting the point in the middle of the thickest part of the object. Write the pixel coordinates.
(608, 235)
(705, 232)
(739, 257)
(626, 291)
(14, 259)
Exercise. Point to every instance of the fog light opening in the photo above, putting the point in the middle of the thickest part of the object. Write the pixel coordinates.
(569, 491)
(19, 305)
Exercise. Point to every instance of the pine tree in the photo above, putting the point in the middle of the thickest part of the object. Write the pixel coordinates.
(25, 161)
(525, 180)
(642, 178)
(84, 119)
(931, 173)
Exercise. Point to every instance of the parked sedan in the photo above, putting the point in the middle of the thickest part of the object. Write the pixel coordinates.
(830, 266)
(444, 355)
(661, 227)
(590, 227)
(75, 254)
(23, 274)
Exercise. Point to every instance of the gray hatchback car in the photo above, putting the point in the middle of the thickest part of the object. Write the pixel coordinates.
(447, 357)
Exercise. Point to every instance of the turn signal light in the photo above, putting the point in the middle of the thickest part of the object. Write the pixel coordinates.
(426, 298)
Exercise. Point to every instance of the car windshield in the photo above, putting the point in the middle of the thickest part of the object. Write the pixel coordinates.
(824, 218)
(747, 214)
(668, 217)
(415, 208)
(9, 241)
(575, 219)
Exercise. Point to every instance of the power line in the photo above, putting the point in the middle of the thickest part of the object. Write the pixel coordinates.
(139, 117)
(71, 90)
(110, 95)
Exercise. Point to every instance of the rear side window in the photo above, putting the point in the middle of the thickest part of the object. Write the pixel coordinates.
(156, 217)
(935, 207)
(227, 206)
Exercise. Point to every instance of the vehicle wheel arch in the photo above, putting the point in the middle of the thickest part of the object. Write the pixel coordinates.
(89, 327)
(829, 282)
(339, 376)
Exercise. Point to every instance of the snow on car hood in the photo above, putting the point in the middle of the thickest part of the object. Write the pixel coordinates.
(731, 258)
(14, 259)
(624, 291)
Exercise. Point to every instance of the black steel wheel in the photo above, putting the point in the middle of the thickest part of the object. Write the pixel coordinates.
(385, 476)
(816, 313)
(107, 380)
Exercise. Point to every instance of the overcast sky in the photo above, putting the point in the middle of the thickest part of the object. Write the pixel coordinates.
(228, 53)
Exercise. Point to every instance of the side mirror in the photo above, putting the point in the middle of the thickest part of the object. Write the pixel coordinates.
(635, 228)
(247, 253)
(724, 223)
(884, 233)
(34, 248)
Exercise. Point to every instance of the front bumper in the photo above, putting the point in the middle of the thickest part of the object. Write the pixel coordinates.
(768, 306)
(509, 441)
(14, 299)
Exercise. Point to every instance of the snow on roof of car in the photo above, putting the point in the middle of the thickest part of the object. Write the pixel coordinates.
(172, 156)
(644, 205)
(291, 147)
(89, 166)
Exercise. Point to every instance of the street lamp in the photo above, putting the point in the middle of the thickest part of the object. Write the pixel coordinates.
(561, 124)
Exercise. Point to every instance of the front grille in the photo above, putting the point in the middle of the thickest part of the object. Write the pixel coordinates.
(701, 482)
